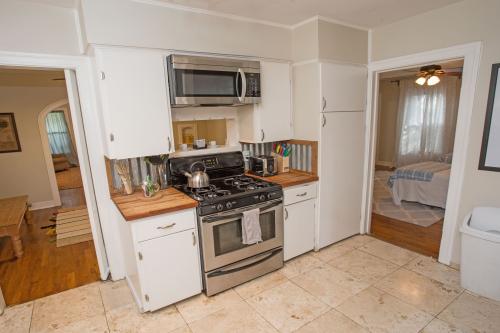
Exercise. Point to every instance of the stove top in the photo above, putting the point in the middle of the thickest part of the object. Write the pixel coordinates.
(229, 187)
(225, 187)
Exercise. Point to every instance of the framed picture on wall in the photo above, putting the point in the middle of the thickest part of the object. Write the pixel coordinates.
(9, 139)
(490, 149)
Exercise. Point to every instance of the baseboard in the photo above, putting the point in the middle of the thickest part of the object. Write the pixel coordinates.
(43, 204)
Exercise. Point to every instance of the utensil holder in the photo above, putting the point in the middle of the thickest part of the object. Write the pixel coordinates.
(283, 163)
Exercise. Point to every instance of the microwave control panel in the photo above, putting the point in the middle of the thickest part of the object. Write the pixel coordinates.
(253, 84)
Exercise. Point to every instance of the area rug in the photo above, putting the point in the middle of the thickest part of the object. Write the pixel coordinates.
(72, 226)
(411, 212)
(68, 179)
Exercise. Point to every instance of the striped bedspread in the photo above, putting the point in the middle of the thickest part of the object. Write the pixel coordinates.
(423, 171)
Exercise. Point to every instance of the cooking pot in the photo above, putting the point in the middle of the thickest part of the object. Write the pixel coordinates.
(198, 178)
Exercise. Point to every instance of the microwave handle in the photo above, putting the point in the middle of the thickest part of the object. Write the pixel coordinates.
(243, 85)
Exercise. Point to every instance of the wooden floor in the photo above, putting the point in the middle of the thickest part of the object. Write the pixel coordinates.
(410, 236)
(69, 179)
(45, 269)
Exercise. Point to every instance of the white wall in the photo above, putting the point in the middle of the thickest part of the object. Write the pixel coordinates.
(129, 23)
(460, 23)
(26, 172)
(31, 27)
(387, 119)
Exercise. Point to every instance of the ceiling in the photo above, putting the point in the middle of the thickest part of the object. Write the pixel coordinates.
(363, 13)
(452, 66)
(31, 78)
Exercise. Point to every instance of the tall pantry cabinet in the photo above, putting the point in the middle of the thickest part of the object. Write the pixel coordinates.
(332, 111)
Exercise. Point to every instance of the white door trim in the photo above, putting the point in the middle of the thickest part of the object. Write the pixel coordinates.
(471, 53)
(98, 197)
(56, 198)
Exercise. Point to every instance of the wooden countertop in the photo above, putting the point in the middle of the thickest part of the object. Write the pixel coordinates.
(291, 178)
(136, 206)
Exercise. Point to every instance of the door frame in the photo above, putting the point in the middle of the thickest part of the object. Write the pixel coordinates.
(56, 198)
(89, 141)
(471, 53)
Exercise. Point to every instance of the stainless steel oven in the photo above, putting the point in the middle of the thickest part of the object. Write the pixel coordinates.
(195, 80)
(227, 261)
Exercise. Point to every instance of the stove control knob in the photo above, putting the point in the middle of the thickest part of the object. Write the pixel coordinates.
(229, 205)
(220, 207)
(262, 197)
(269, 196)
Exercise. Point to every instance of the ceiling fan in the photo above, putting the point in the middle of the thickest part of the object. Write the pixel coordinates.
(429, 75)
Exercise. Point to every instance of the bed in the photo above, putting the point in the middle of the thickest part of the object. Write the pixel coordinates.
(425, 182)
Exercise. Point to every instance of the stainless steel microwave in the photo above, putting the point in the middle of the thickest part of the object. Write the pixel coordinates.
(197, 80)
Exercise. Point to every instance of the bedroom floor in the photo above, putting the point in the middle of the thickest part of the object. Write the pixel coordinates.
(359, 285)
(413, 226)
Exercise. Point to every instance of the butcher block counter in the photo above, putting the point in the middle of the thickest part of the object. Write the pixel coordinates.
(136, 206)
(292, 178)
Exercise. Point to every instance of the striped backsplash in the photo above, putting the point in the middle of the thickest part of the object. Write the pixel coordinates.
(300, 155)
(300, 159)
(139, 170)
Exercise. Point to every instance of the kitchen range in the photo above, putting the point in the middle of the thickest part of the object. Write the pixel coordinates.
(223, 205)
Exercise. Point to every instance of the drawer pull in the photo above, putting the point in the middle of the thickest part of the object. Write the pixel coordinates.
(302, 194)
(194, 239)
(286, 214)
(168, 226)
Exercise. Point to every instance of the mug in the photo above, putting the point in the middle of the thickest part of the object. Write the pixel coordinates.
(183, 146)
(213, 144)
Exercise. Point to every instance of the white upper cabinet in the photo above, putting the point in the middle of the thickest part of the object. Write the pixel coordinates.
(134, 94)
(270, 120)
(343, 87)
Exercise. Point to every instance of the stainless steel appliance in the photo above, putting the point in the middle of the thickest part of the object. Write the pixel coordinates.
(263, 165)
(195, 80)
(226, 261)
(197, 178)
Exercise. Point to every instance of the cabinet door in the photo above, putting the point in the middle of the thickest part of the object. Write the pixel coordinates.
(134, 95)
(274, 113)
(169, 269)
(343, 87)
(299, 228)
(341, 176)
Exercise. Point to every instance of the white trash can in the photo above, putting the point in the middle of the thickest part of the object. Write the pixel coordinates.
(480, 257)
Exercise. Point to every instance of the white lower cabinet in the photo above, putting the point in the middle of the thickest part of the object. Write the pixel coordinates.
(165, 268)
(300, 216)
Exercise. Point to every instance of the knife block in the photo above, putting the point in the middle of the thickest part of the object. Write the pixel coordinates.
(283, 163)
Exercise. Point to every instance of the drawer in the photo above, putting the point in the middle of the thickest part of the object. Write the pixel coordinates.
(300, 193)
(164, 224)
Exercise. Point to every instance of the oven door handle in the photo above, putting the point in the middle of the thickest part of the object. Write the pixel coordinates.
(223, 217)
(237, 215)
(244, 264)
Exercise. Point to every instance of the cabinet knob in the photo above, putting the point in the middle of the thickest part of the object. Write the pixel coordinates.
(262, 135)
(286, 214)
(194, 238)
(111, 137)
(302, 194)
(323, 123)
(323, 106)
(169, 144)
(103, 76)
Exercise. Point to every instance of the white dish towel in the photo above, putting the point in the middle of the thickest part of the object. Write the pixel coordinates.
(250, 227)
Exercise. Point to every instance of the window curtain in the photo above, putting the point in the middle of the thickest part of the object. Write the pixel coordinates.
(59, 136)
(426, 121)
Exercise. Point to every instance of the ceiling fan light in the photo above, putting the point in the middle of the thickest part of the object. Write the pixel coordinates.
(421, 80)
(433, 80)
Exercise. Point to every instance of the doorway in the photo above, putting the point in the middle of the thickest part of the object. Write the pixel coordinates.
(470, 53)
(417, 114)
(57, 247)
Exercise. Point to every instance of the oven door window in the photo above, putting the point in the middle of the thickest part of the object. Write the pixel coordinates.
(227, 236)
(201, 83)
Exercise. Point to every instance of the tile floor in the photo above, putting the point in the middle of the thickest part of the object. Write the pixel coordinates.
(359, 285)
